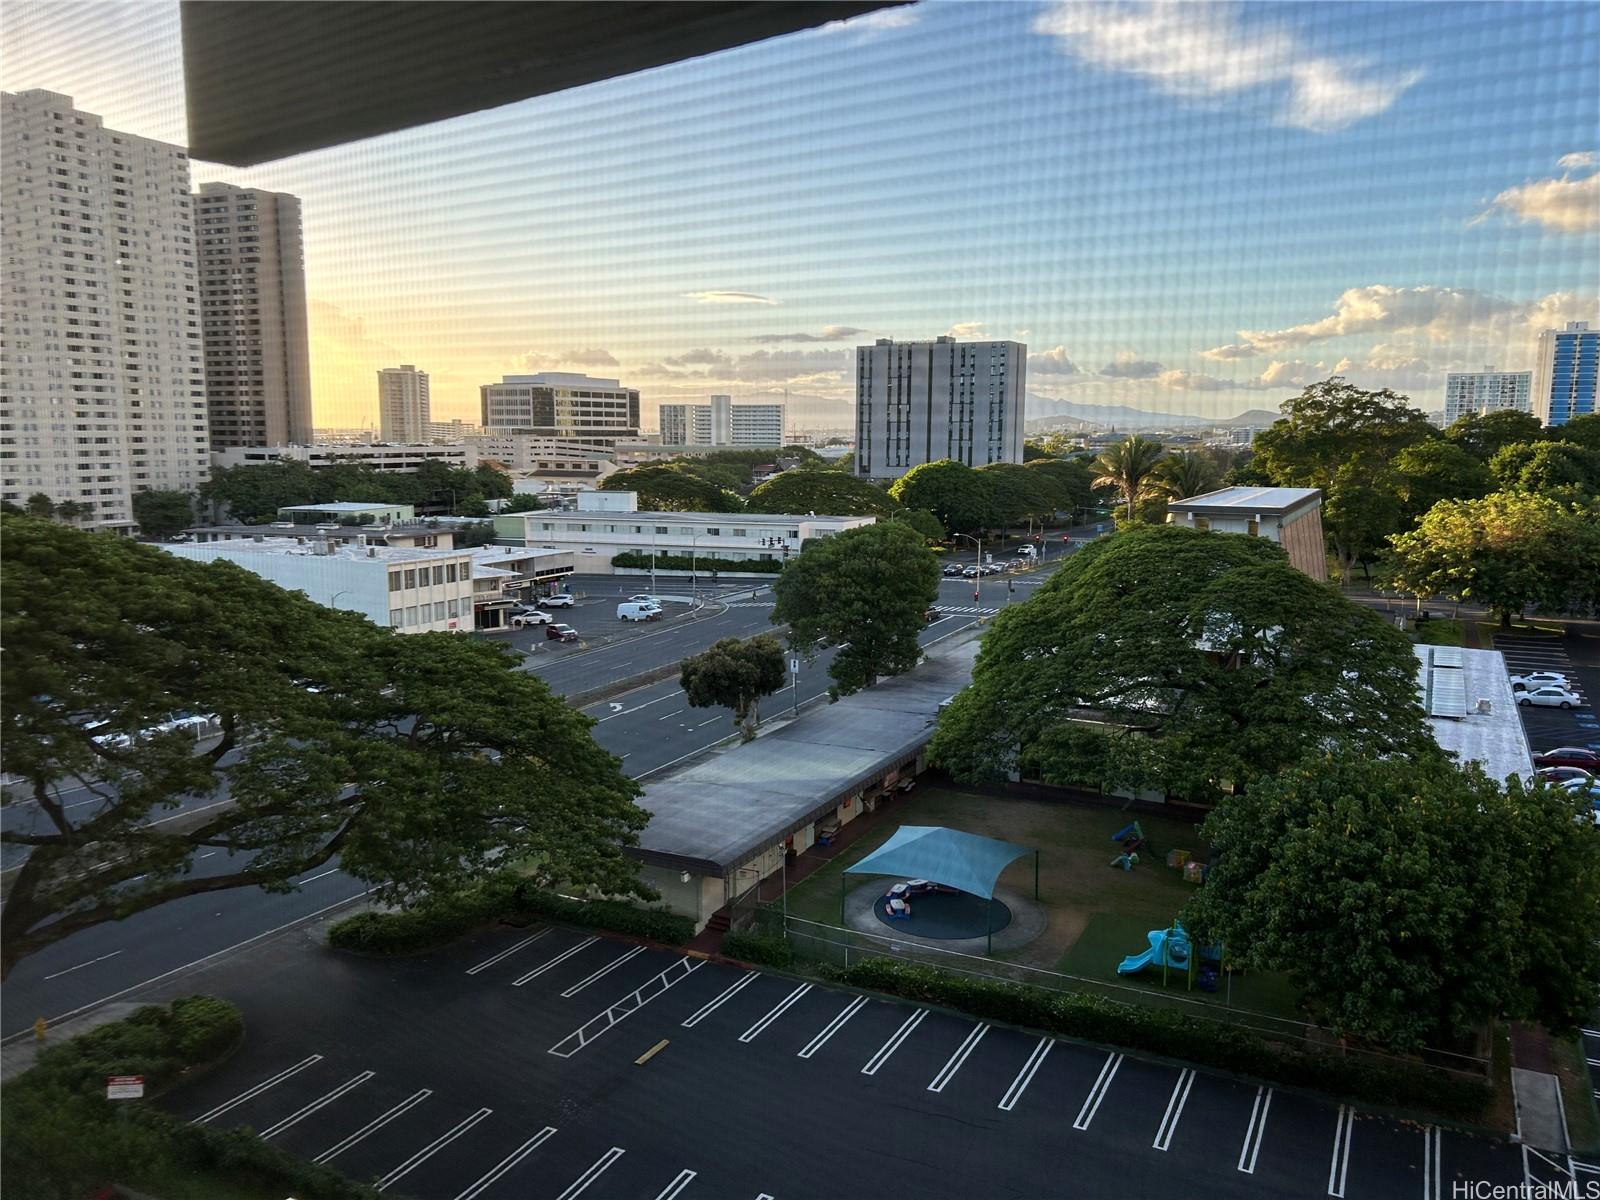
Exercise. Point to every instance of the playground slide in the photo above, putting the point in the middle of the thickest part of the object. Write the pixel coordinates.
(1135, 963)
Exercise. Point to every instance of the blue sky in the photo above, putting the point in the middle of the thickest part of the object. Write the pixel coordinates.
(1193, 208)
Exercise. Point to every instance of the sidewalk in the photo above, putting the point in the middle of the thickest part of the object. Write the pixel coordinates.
(1541, 1114)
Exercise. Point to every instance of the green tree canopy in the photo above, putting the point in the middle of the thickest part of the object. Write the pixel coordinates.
(1018, 493)
(1185, 473)
(1547, 468)
(163, 514)
(1070, 484)
(1428, 472)
(962, 498)
(1128, 468)
(1580, 431)
(924, 522)
(827, 493)
(1333, 423)
(734, 673)
(523, 502)
(421, 762)
(1483, 435)
(254, 494)
(864, 590)
(672, 487)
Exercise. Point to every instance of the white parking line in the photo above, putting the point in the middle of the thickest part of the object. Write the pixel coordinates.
(82, 965)
(833, 1027)
(893, 1044)
(755, 1031)
(1339, 1168)
(1432, 1153)
(1169, 1119)
(953, 1063)
(294, 1119)
(711, 1006)
(1025, 1076)
(506, 1163)
(625, 1007)
(252, 1093)
(372, 1126)
(432, 1148)
(602, 972)
(1091, 1102)
(550, 964)
(676, 1186)
(1251, 1150)
(599, 1167)
(507, 953)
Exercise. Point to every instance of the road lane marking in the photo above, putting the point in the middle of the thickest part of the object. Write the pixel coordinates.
(1169, 1119)
(711, 1006)
(668, 716)
(893, 1044)
(507, 1163)
(1339, 1168)
(507, 953)
(713, 721)
(953, 1063)
(428, 1151)
(750, 1035)
(82, 965)
(1091, 1102)
(833, 1027)
(1025, 1076)
(602, 972)
(676, 1186)
(295, 1118)
(252, 1092)
(372, 1126)
(624, 1008)
(1432, 1172)
(1251, 1150)
(651, 1053)
(599, 1167)
(555, 962)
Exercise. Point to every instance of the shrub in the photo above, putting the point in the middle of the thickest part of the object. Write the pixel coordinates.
(703, 564)
(616, 915)
(764, 949)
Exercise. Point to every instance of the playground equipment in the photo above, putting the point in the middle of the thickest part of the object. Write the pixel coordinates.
(1133, 840)
(1171, 950)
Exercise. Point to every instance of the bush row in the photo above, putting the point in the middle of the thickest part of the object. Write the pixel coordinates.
(158, 1043)
(763, 949)
(701, 563)
(1171, 1034)
(618, 916)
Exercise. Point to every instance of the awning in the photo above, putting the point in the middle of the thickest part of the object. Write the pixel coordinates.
(964, 861)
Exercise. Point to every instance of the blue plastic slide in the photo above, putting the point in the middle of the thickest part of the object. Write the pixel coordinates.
(1173, 951)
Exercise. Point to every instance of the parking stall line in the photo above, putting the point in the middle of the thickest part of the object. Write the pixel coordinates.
(1169, 1119)
(894, 1042)
(599, 1167)
(372, 1126)
(683, 1179)
(778, 1009)
(507, 1163)
(1091, 1102)
(294, 1119)
(624, 1008)
(551, 964)
(428, 1151)
(711, 1006)
(602, 972)
(505, 954)
(953, 1063)
(1339, 1168)
(833, 1027)
(1251, 1150)
(1432, 1172)
(251, 1093)
(1025, 1076)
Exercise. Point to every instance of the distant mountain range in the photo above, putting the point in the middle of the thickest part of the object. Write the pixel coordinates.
(1045, 414)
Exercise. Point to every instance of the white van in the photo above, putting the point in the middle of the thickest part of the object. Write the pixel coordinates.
(632, 610)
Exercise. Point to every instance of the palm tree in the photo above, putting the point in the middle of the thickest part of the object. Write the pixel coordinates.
(1128, 467)
(1186, 473)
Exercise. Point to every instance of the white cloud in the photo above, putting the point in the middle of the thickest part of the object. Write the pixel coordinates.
(1438, 314)
(966, 329)
(812, 368)
(1564, 205)
(534, 361)
(830, 333)
(1577, 160)
(728, 298)
(1128, 365)
(1194, 381)
(1206, 50)
(594, 357)
(1229, 353)
(873, 25)
(1051, 362)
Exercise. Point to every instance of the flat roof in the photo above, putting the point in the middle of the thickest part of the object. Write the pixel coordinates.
(341, 552)
(342, 506)
(1250, 499)
(741, 518)
(1495, 739)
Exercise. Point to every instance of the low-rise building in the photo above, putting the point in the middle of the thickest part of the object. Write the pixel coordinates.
(342, 512)
(1472, 710)
(1292, 517)
(404, 458)
(504, 577)
(533, 454)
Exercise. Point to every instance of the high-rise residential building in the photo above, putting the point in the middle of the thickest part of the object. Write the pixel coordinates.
(722, 423)
(593, 412)
(253, 316)
(1485, 391)
(919, 402)
(1564, 379)
(403, 404)
(102, 374)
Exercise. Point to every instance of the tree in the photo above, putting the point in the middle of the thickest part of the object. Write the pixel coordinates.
(1580, 431)
(672, 487)
(1428, 472)
(1185, 473)
(1128, 467)
(1508, 550)
(1361, 508)
(422, 762)
(1017, 493)
(962, 498)
(1070, 485)
(1548, 468)
(924, 522)
(40, 505)
(1333, 423)
(1483, 435)
(163, 515)
(523, 502)
(827, 493)
(735, 673)
(1409, 902)
(1208, 644)
(864, 590)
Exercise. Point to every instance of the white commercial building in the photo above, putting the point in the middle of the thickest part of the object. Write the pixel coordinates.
(404, 459)
(722, 424)
(558, 404)
(1471, 709)
(1292, 517)
(1486, 391)
(919, 402)
(104, 373)
(403, 404)
(536, 454)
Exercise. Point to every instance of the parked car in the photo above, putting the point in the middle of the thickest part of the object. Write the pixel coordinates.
(991, 569)
(1562, 775)
(630, 610)
(1569, 756)
(971, 572)
(952, 570)
(560, 600)
(522, 618)
(1549, 696)
(655, 600)
(931, 615)
(1583, 787)
(560, 633)
(1536, 679)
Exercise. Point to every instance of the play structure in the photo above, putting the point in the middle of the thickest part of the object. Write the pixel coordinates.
(1133, 840)
(1171, 950)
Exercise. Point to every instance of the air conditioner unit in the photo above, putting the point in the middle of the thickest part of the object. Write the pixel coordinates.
(1485, 706)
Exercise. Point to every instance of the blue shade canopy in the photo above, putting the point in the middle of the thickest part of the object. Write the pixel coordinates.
(964, 861)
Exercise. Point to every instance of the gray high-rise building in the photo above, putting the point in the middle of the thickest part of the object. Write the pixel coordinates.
(919, 402)
(102, 374)
(403, 406)
(253, 316)
(561, 404)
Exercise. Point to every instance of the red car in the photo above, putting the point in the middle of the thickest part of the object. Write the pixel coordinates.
(1569, 756)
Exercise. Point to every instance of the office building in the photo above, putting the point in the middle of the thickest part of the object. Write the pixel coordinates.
(722, 424)
(533, 454)
(403, 459)
(253, 316)
(1564, 378)
(919, 402)
(1479, 392)
(1292, 517)
(103, 367)
(403, 404)
(556, 404)
(453, 430)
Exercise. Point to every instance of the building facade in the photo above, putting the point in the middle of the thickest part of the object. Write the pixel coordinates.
(403, 404)
(919, 402)
(1564, 380)
(405, 459)
(253, 316)
(722, 424)
(103, 391)
(1292, 517)
(1478, 392)
(593, 412)
(534, 454)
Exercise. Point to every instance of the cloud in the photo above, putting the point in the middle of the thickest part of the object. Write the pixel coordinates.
(531, 362)
(1229, 353)
(702, 357)
(1199, 51)
(1436, 313)
(785, 368)
(1051, 362)
(594, 357)
(874, 25)
(1129, 365)
(966, 329)
(1194, 381)
(1577, 160)
(1563, 205)
(830, 333)
(728, 298)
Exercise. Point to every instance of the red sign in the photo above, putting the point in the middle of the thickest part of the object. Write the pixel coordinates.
(124, 1087)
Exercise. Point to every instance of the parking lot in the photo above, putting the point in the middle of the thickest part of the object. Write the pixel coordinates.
(548, 1062)
(1551, 727)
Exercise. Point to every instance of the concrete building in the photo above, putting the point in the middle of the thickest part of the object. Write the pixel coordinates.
(1486, 391)
(253, 316)
(504, 577)
(454, 430)
(103, 367)
(403, 404)
(1471, 709)
(556, 404)
(1564, 378)
(379, 456)
(722, 424)
(1292, 517)
(919, 402)
(535, 454)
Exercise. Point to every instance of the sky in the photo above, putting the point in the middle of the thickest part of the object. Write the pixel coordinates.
(1191, 208)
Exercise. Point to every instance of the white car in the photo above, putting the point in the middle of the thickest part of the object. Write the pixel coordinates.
(561, 601)
(656, 600)
(1536, 679)
(1550, 696)
(520, 620)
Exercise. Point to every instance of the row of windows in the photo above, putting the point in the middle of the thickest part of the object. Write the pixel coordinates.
(443, 573)
(424, 614)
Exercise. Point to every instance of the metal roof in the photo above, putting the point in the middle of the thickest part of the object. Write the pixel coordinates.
(1277, 500)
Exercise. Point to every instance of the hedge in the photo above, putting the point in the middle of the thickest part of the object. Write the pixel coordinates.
(763, 949)
(700, 563)
(618, 916)
(1174, 1035)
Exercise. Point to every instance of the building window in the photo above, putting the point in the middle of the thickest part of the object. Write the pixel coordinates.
(1202, 523)
(450, 572)
(438, 610)
(438, 576)
(395, 617)
(662, 529)
(1253, 528)
(713, 533)
(453, 609)
(411, 615)
(394, 581)
(738, 533)
(411, 580)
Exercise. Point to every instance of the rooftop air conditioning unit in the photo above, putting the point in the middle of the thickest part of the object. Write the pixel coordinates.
(1485, 706)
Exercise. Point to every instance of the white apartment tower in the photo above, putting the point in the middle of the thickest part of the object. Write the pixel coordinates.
(1486, 391)
(596, 413)
(919, 402)
(253, 316)
(403, 405)
(722, 423)
(102, 384)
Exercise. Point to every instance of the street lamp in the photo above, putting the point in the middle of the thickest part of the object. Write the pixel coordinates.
(694, 575)
(652, 560)
(977, 580)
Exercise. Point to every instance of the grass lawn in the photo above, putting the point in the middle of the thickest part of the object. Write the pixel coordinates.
(1442, 633)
